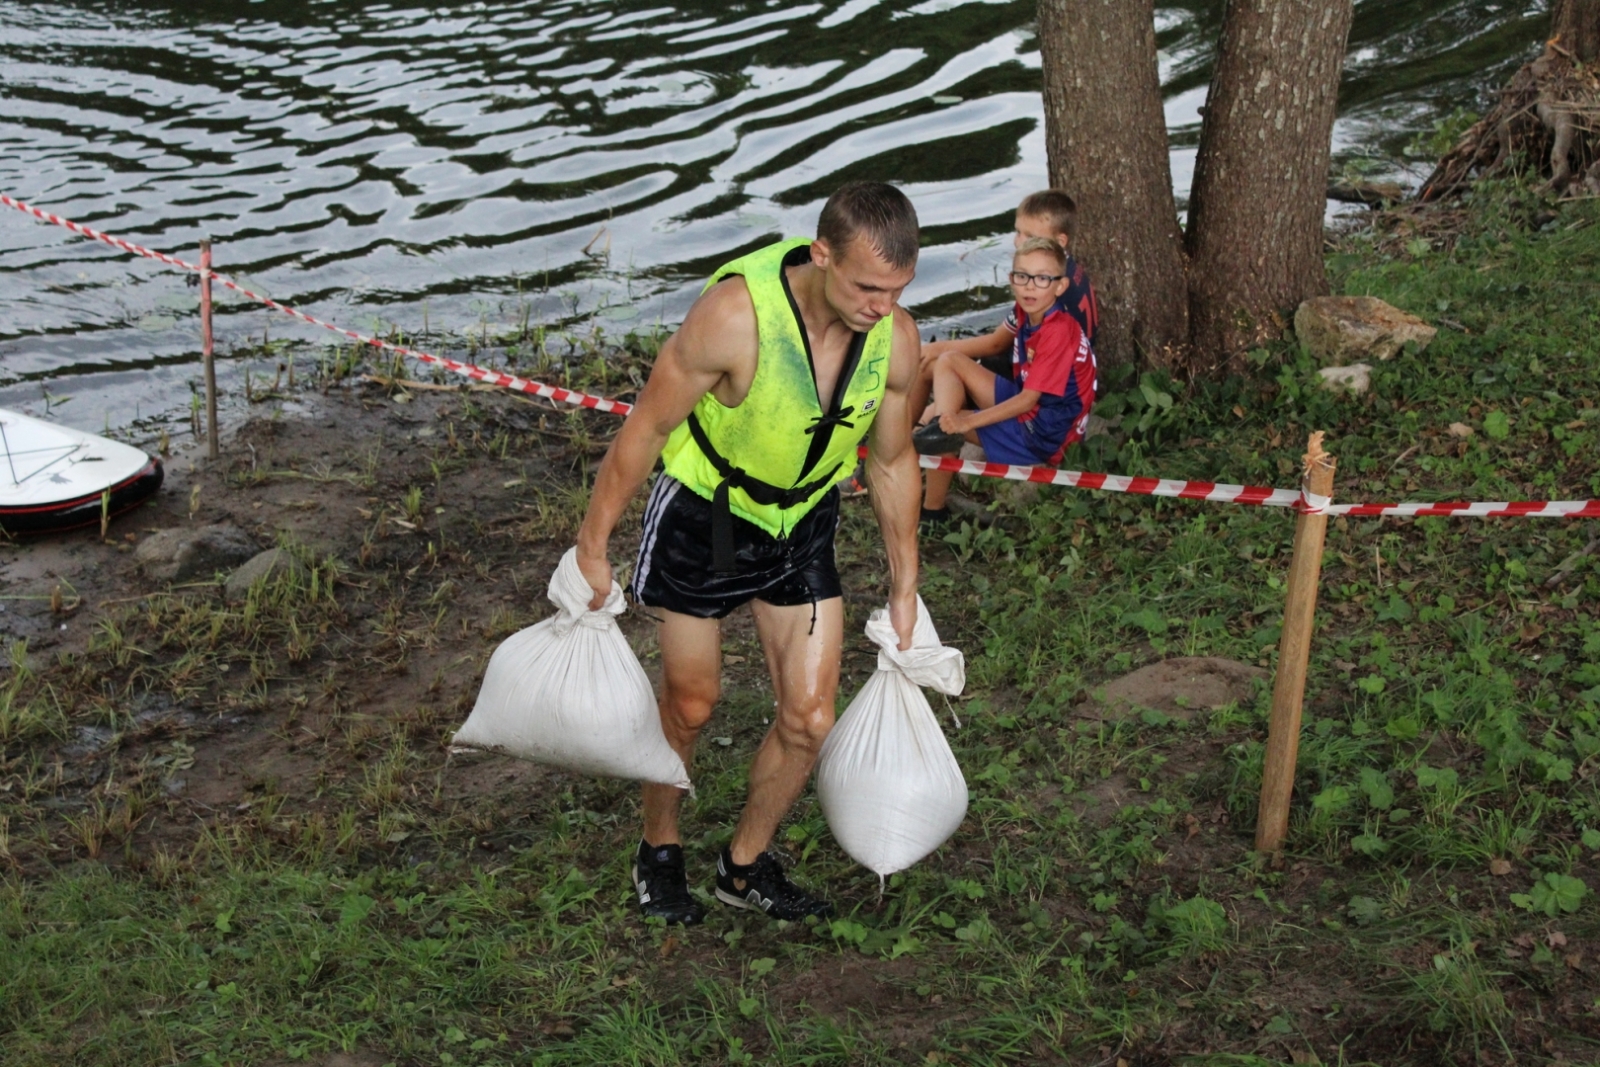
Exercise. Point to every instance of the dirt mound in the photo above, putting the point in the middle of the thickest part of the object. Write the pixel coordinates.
(1175, 687)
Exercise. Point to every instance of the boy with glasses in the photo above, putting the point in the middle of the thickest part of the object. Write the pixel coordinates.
(1027, 418)
(1049, 214)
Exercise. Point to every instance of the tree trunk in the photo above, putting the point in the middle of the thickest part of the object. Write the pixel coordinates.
(1575, 26)
(1106, 138)
(1261, 177)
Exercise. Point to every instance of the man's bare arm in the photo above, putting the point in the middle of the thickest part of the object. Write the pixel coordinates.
(719, 330)
(895, 478)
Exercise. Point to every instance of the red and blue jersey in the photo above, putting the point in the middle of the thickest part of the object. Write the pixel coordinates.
(1078, 301)
(1056, 360)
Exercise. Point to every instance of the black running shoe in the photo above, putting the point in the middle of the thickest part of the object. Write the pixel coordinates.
(934, 520)
(930, 440)
(662, 885)
(763, 886)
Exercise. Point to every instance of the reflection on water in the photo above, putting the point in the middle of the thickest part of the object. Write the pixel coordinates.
(473, 163)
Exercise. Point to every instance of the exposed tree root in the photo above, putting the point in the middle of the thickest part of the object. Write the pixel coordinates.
(1547, 116)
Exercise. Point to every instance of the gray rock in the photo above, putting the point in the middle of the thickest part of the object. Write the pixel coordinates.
(179, 555)
(268, 564)
(1341, 330)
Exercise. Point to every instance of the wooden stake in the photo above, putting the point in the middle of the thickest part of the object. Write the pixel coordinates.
(1294, 654)
(212, 449)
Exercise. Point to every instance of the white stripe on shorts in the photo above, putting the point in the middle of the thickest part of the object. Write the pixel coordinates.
(666, 488)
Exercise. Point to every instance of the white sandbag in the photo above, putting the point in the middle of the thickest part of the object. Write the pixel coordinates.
(570, 693)
(886, 779)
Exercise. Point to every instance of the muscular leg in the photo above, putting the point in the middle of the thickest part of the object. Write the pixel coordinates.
(691, 682)
(805, 676)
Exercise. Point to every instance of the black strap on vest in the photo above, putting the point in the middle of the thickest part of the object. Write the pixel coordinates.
(763, 493)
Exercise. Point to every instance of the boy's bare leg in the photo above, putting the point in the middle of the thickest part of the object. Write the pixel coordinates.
(691, 682)
(936, 489)
(804, 664)
(955, 379)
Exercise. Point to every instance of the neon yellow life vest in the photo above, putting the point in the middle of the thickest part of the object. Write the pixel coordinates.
(770, 459)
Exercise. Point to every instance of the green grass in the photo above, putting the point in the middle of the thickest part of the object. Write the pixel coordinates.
(1452, 722)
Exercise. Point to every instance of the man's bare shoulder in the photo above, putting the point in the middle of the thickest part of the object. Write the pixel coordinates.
(905, 349)
(720, 329)
(905, 328)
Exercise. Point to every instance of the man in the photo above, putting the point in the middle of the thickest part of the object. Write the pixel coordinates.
(790, 357)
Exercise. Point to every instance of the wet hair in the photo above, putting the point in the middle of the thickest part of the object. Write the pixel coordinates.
(1045, 246)
(1055, 207)
(876, 211)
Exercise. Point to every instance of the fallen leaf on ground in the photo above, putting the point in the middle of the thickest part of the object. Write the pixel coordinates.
(1499, 867)
(1460, 429)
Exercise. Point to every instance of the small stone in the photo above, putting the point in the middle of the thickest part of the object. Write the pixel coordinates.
(1340, 330)
(1499, 867)
(264, 565)
(1355, 379)
(179, 555)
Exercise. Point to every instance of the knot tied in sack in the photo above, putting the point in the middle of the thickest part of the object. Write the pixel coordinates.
(571, 592)
(926, 663)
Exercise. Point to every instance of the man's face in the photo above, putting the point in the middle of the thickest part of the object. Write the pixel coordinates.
(858, 283)
(1036, 226)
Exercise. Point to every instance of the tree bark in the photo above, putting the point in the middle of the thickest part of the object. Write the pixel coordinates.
(1575, 26)
(1255, 213)
(1106, 138)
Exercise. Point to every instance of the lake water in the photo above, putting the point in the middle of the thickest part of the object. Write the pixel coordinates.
(469, 164)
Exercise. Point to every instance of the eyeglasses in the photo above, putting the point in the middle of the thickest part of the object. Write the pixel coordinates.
(1023, 279)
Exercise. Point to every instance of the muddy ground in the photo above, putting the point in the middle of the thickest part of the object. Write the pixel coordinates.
(440, 513)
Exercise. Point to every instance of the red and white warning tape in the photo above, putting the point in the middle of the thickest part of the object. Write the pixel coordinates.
(1117, 483)
(1538, 509)
(480, 374)
(1298, 499)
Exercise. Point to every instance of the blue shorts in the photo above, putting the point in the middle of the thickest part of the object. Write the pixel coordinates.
(1008, 441)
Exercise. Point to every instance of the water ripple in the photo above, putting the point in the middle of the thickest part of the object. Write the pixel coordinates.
(377, 164)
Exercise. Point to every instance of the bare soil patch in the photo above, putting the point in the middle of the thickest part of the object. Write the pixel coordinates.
(1177, 688)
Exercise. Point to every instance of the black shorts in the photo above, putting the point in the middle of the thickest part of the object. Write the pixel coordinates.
(1000, 364)
(674, 567)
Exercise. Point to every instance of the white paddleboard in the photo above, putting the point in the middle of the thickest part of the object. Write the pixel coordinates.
(55, 478)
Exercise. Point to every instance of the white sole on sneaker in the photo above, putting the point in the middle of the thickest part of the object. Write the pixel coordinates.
(752, 901)
(638, 887)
